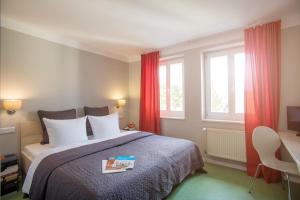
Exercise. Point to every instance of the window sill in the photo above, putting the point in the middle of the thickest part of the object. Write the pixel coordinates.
(165, 117)
(223, 121)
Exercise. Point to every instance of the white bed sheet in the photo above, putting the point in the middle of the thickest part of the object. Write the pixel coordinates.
(32, 150)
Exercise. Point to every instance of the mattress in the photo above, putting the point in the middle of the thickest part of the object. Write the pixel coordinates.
(33, 150)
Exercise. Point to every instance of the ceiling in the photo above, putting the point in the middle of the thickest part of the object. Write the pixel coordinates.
(123, 29)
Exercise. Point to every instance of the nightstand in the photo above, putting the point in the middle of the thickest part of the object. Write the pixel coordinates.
(128, 129)
(9, 174)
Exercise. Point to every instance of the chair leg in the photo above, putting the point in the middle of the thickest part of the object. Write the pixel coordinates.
(282, 181)
(256, 174)
(289, 187)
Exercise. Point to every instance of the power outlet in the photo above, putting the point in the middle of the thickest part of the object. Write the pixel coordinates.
(7, 130)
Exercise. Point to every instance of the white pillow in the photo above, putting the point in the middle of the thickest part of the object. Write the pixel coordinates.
(105, 126)
(65, 132)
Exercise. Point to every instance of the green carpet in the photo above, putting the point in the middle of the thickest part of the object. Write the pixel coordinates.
(220, 183)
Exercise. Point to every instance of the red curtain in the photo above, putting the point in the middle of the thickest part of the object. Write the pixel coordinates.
(149, 100)
(262, 88)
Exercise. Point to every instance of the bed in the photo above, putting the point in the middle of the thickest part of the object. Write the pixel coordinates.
(74, 172)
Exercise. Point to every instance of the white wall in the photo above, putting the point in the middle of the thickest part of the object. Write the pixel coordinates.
(192, 125)
(50, 76)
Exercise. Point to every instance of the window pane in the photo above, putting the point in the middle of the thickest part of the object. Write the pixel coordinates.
(239, 66)
(176, 87)
(219, 84)
(163, 87)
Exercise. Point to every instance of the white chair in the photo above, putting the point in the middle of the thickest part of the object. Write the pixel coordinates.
(266, 142)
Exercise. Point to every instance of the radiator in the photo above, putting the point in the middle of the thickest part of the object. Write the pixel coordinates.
(228, 144)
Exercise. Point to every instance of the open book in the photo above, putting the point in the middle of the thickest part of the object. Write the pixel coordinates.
(117, 164)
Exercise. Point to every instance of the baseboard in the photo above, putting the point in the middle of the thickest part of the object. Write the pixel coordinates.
(239, 166)
(227, 163)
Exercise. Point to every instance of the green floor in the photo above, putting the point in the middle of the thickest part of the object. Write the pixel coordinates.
(220, 183)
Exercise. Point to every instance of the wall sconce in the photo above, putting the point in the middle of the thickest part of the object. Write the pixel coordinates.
(12, 105)
(120, 103)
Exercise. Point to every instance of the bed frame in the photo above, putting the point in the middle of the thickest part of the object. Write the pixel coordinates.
(31, 132)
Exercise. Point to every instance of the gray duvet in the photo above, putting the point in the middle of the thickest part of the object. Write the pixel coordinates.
(75, 174)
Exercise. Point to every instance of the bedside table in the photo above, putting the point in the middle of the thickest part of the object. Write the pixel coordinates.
(9, 174)
(128, 129)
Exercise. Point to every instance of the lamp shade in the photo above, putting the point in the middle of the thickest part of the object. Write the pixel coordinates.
(121, 102)
(12, 104)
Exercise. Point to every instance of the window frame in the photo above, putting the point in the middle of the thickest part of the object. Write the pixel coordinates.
(217, 116)
(168, 113)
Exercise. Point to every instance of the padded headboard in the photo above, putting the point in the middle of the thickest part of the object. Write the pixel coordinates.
(31, 132)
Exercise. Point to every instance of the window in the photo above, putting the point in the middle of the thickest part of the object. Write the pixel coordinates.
(171, 88)
(224, 84)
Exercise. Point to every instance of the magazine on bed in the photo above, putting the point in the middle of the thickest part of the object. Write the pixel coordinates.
(117, 164)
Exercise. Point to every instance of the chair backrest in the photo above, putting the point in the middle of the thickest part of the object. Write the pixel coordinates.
(266, 142)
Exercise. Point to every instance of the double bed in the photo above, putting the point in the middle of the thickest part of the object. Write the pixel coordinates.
(74, 171)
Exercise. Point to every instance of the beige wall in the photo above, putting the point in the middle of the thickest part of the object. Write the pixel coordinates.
(54, 77)
(134, 92)
(192, 125)
(290, 72)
